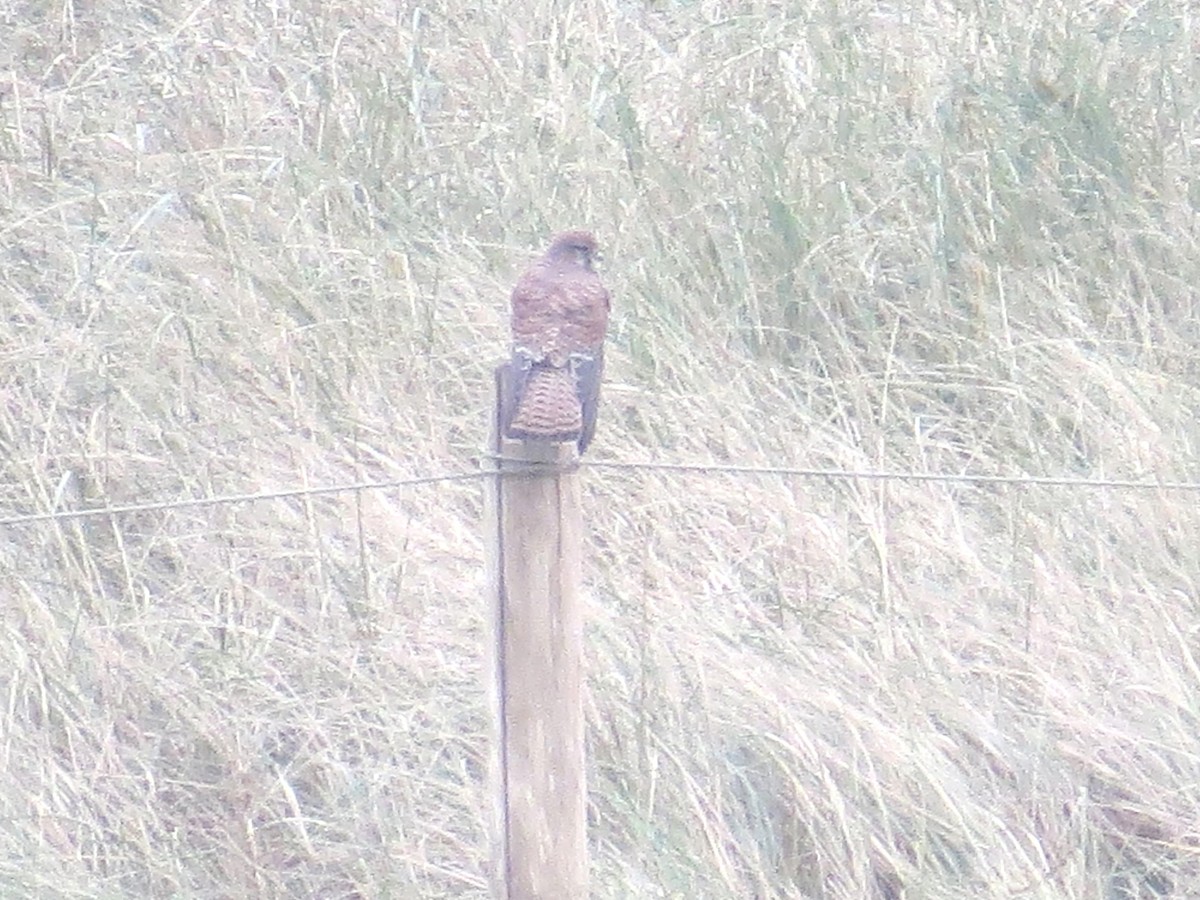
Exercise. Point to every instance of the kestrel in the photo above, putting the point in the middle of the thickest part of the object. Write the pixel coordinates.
(559, 315)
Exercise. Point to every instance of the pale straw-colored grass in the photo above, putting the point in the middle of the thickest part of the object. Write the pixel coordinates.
(251, 247)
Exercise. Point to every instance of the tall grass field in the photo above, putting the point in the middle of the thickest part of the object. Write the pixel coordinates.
(266, 247)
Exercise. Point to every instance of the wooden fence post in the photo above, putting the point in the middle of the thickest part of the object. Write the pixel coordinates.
(534, 671)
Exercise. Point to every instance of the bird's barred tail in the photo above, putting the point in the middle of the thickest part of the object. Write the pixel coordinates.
(548, 407)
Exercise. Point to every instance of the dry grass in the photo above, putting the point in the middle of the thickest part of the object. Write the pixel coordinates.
(251, 246)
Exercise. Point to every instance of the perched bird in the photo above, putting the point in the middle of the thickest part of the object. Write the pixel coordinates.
(559, 316)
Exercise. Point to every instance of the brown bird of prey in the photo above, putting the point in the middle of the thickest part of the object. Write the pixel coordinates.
(559, 316)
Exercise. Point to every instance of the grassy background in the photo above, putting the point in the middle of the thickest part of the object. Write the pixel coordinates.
(255, 246)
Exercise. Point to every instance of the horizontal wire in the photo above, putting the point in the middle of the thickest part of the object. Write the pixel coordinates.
(525, 466)
(869, 475)
(192, 502)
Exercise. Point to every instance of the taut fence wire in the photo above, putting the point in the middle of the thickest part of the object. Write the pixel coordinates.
(1120, 484)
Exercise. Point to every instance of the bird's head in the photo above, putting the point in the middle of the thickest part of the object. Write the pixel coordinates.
(577, 247)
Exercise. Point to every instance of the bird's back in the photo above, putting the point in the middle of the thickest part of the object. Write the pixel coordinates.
(559, 317)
